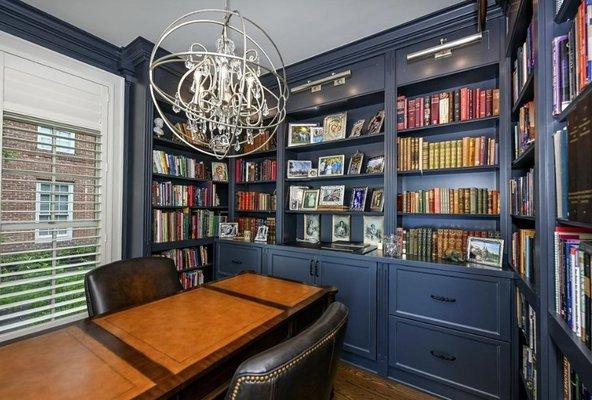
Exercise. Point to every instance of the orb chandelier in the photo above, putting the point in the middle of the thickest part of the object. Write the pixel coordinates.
(229, 111)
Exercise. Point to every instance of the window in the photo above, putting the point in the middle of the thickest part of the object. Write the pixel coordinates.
(64, 142)
(54, 203)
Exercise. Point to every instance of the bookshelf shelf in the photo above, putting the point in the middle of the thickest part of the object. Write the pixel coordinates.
(574, 223)
(213, 208)
(529, 292)
(180, 178)
(526, 93)
(261, 154)
(203, 266)
(566, 11)
(346, 142)
(170, 144)
(334, 212)
(573, 104)
(482, 168)
(465, 216)
(162, 246)
(433, 129)
(256, 211)
(526, 159)
(335, 177)
(519, 26)
(254, 182)
(525, 218)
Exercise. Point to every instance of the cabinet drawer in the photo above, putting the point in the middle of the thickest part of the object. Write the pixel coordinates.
(366, 77)
(293, 265)
(234, 258)
(478, 366)
(475, 303)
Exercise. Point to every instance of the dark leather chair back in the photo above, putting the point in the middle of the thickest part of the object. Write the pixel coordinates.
(127, 283)
(300, 368)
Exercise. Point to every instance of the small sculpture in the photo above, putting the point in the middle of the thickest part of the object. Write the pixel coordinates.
(158, 125)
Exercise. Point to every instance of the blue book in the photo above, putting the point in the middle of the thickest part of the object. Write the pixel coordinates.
(561, 169)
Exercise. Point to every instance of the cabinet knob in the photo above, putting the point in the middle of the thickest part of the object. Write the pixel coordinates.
(443, 299)
(236, 262)
(442, 356)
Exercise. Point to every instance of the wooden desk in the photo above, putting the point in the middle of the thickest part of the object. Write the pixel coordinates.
(189, 344)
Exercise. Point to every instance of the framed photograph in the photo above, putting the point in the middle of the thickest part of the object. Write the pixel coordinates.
(341, 228)
(296, 197)
(332, 195)
(334, 126)
(485, 251)
(317, 134)
(313, 173)
(357, 128)
(312, 227)
(375, 125)
(298, 168)
(310, 200)
(355, 164)
(331, 165)
(373, 230)
(228, 230)
(299, 134)
(377, 201)
(358, 201)
(262, 233)
(219, 172)
(375, 165)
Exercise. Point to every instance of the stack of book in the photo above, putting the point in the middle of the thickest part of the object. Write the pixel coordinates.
(523, 64)
(442, 108)
(255, 171)
(192, 279)
(436, 243)
(522, 256)
(171, 164)
(263, 139)
(188, 258)
(527, 322)
(524, 129)
(255, 201)
(450, 201)
(522, 195)
(168, 226)
(573, 385)
(572, 59)
(167, 194)
(415, 153)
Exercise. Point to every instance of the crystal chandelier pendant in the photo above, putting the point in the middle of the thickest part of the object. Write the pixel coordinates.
(220, 92)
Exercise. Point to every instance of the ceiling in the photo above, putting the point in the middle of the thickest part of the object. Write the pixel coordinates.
(300, 28)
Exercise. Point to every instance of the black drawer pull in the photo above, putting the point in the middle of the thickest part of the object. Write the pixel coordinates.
(443, 299)
(310, 268)
(442, 356)
(236, 262)
(317, 268)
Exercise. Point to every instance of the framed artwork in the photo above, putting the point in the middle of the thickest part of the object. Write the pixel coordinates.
(312, 227)
(310, 200)
(228, 230)
(375, 165)
(317, 134)
(377, 201)
(334, 126)
(375, 125)
(357, 128)
(355, 164)
(358, 200)
(219, 172)
(485, 251)
(332, 195)
(313, 173)
(298, 168)
(341, 228)
(299, 134)
(262, 232)
(373, 230)
(331, 165)
(296, 197)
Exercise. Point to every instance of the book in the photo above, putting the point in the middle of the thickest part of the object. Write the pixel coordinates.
(188, 258)
(522, 195)
(527, 323)
(449, 201)
(525, 129)
(169, 226)
(167, 194)
(255, 171)
(560, 145)
(177, 165)
(522, 256)
(255, 201)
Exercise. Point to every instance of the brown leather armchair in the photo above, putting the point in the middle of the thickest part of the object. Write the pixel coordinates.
(300, 368)
(127, 283)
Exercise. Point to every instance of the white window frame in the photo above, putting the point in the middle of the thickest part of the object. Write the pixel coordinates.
(40, 237)
(63, 139)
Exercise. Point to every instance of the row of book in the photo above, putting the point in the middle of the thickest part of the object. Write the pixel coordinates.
(572, 279)
(255, 171)
(525, 129)
(192, 279)
(573, 385)
(255, 201)
(167, 194)
(522, 256)
(415, 153)
(188, 258)
(266, 140)
(524, 63)
(522, 194)
(527, 322)
(445, 107)
(436, 243)
(169, 226)
(450, 201)
(252, 224)
(572, 58)
(177, 165)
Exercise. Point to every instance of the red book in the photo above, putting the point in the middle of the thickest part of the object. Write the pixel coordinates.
(489, 102)
(464, 100)
(411, 117)
(471, 103)
(419, 111)
(477, 103)
(435, 109)
(401, 112)
(482, 102)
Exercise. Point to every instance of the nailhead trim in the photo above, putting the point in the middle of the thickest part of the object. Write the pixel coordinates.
(283, 369)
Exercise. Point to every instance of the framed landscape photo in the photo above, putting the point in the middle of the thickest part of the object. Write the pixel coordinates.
(332, 195)
(375, 165)
(358, 200)
(373, 230)
(355, 164)
(341, 228)
(485, 251)
(228, 230)
(298, 168)
(376, 123)
(299, 134)
(357, 128)
(296, 197)
(317, 134)
(219, 171)
(310, 200)
(331, 165)
(312, 227)
(377, 201)
(334, 126)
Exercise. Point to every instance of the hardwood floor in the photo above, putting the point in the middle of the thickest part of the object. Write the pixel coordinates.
(352, 383)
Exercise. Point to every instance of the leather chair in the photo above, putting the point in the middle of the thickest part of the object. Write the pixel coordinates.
(127, 283)
(302, 367)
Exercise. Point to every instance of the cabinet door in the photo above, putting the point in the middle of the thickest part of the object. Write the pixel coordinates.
(356, 284)
(291, 265)
(232, 258)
